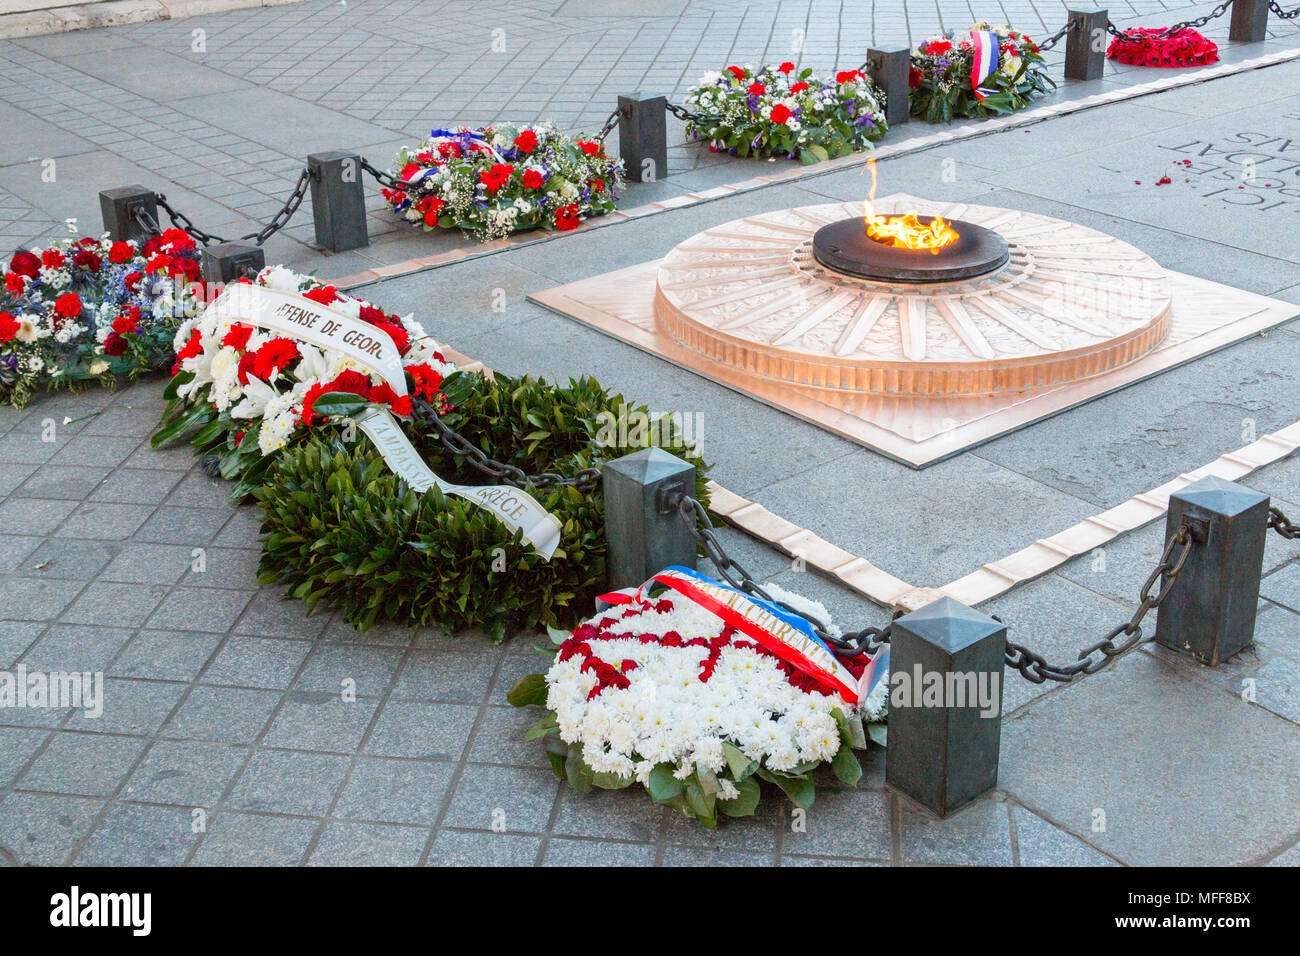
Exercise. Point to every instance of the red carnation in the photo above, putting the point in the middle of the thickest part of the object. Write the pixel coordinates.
(848, 76)
(127, 321)
(786, 67)
(383, 394)
(238, 336)
(526, 141)
(566, 217)
(324, 295)
(347, 381)
(273, 357)
(8, 327)
(401, 338)
(590, 148)
(798, 87)
(15, 283)
(132, 282)
(120, 252)
(533, 179)
(52, 259)
(191, 348)
(184, 268)
(757, 89)
(938, 46)
(114, 345)
(737, 72)
(68, 305)
(914, 78)
(780, 113)
(25, 264)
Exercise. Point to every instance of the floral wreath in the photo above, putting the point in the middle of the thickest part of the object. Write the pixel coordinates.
(664, 693)
(1148, 47)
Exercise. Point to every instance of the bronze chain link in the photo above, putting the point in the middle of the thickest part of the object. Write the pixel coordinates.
(1280, 523)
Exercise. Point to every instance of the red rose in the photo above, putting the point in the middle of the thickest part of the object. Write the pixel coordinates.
(737, 72)
(114, 345)
(25, 264)
(274, 357)
(566, 217)
(914, 78)
(15, 283)
(427, 381)
(8, 327)
(757, 89)
(52, 259)
(533, 179)
(494, 178)
(780, 113)
(68, 305)
(183, 268)
(372, 315)
(526, 141)
(786, 67)
(324, 295)
(798, 87)
(120, 252)
(238, 336)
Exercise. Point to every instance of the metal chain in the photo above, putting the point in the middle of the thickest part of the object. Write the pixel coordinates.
(278, 221)
(1123, 638)
(183, 222)
(282, 217)
(610, 122)
(1282, 14)
(1282, 524)
(696, 518)
(385, 179)
(1127, 36)
(1055, 38)
(584, 480)
(686, 116)
(1031, 665)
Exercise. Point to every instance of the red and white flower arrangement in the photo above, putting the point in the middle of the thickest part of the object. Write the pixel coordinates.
(941, 75)
(776, 111)
(246, 392)
(663, 693)
(88, 309)
(494, 181)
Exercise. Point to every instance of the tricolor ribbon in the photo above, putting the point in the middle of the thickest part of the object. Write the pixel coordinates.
(986, 46)
(785, 634)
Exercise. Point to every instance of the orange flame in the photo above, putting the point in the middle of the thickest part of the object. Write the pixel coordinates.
(905, 231)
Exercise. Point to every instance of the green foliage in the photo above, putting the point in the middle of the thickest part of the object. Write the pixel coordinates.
(340, 527)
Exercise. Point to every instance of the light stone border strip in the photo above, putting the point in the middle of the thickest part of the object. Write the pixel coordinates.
(907, 147)
(1047, 553)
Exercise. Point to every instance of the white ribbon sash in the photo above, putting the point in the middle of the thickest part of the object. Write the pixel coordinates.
(328, 328)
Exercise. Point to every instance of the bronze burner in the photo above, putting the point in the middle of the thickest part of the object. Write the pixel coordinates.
(844, 246)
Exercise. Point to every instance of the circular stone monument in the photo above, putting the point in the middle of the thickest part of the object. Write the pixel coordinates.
(1067, 303)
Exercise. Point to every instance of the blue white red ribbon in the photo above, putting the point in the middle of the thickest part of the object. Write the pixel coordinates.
(785, 634)
(986, 46)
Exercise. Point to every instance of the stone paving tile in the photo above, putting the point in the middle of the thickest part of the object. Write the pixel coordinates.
(483, 848)
(130, 707)
(231, 714)
(184, 773)
(317, 721)
(288, 781)
(84, 764)
(369, 844)
(976, 835)
(565, 852)
(514, 799)
(43, 830)
(249, 839)
(1041, 844)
